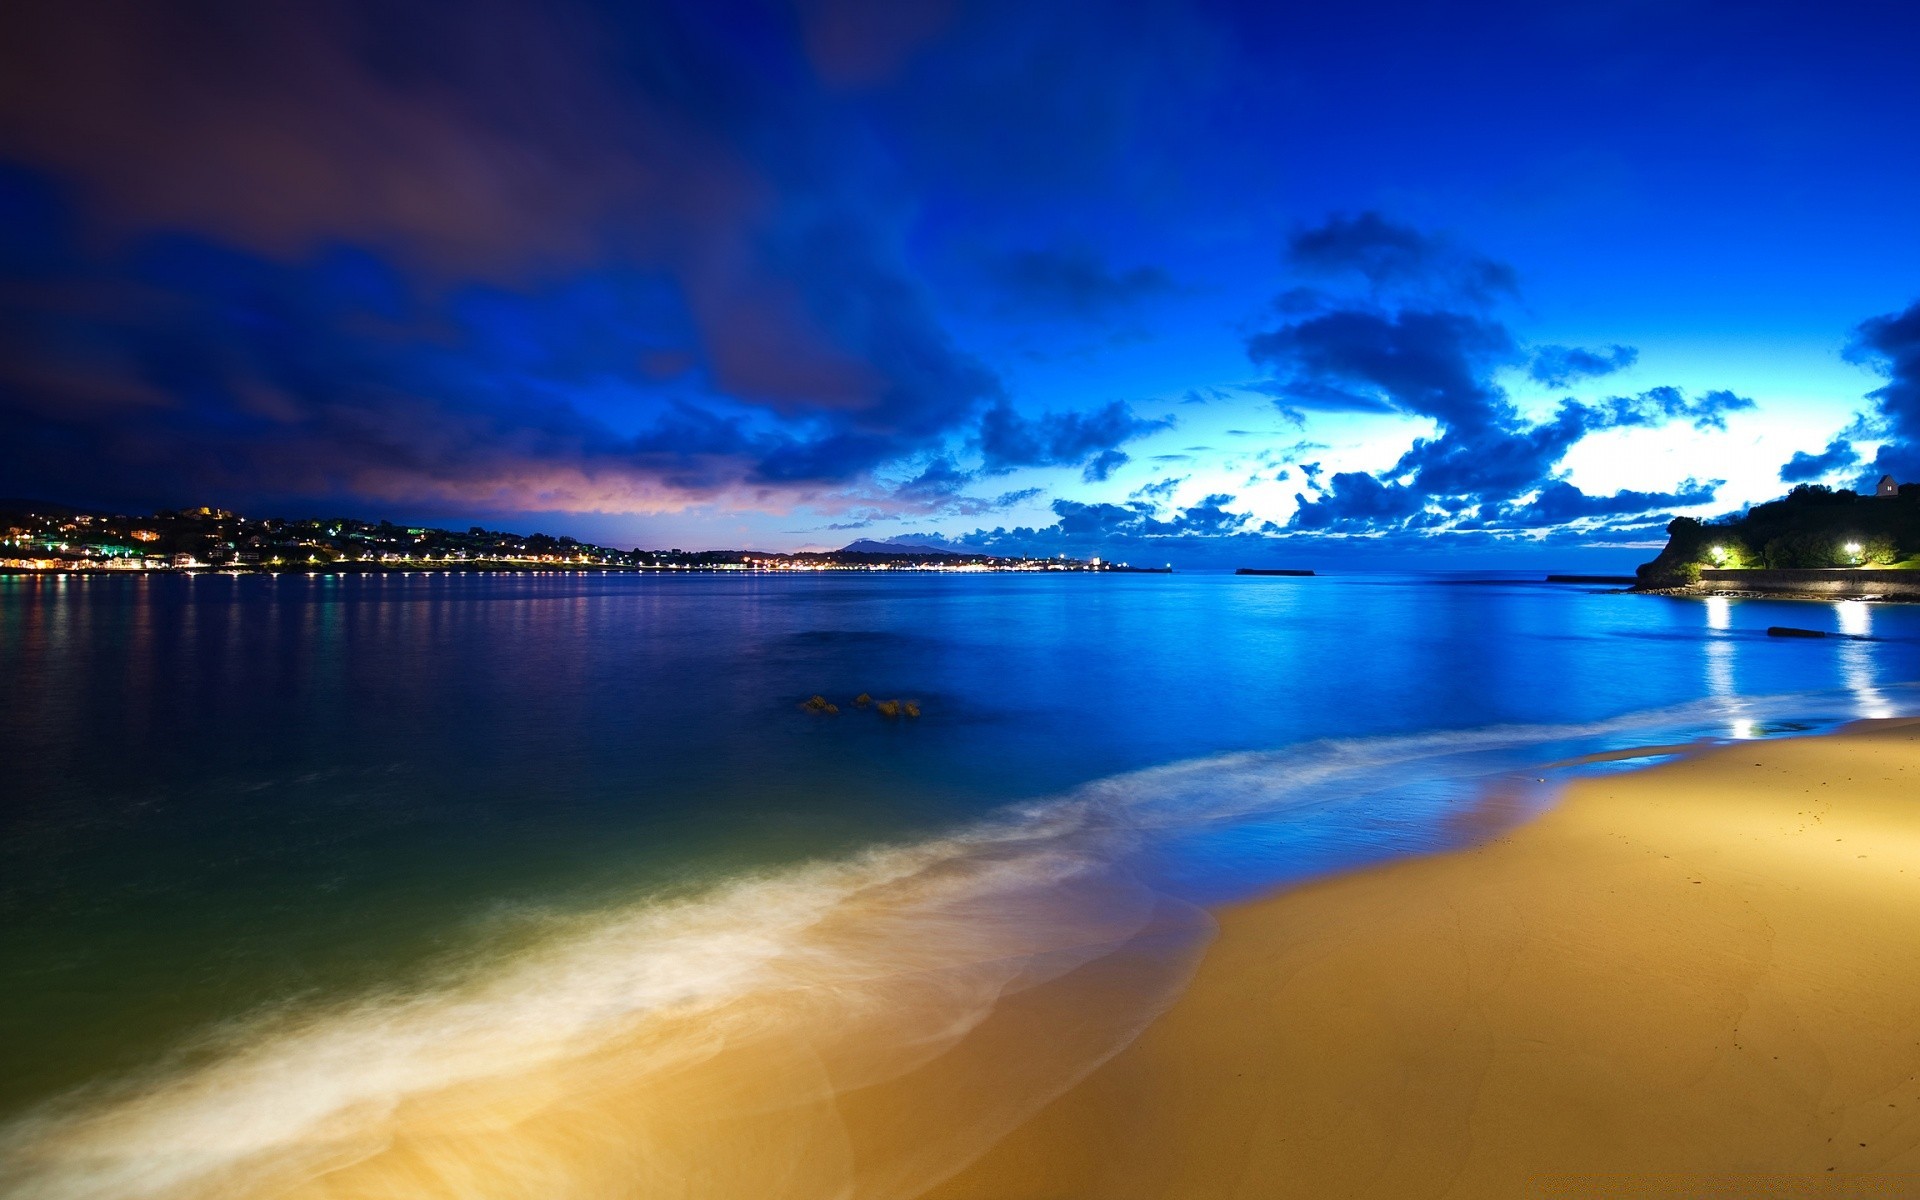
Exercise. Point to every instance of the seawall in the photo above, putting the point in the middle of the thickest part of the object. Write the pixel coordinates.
(1836, 581)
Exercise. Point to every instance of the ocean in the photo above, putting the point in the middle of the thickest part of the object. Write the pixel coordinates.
(549, 885)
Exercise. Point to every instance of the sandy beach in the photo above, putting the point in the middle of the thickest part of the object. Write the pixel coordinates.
(1700, 979)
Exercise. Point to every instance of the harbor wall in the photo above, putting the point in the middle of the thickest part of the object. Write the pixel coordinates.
(1835, 581)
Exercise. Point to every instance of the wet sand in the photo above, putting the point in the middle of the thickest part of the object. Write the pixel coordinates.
(1700, 979)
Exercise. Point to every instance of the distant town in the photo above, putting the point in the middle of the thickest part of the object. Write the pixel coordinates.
(41, 538)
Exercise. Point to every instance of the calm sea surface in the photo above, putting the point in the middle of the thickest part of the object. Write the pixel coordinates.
(224, 795)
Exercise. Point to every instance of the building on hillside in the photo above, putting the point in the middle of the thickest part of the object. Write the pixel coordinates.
(1887, 486)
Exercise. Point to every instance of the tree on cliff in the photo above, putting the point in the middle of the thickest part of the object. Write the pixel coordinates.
(1809, 527)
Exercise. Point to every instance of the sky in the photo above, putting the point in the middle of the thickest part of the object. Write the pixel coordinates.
(1351, 285)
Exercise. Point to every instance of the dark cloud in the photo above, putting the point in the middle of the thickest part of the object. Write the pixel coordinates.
(1112, 522)
(1426, 362)
(941, 478)
(1208, 535)
(1560, 366)
(1435, 354)
(1656, 406)
(1075, 282)
(193, 368)
(1103, 464)
(1008, 440)
(1391, 256)
(1805, 468)
(622, 267)
(1891, 345)
(1480, 469)
(1561, 502)
(1355, 500)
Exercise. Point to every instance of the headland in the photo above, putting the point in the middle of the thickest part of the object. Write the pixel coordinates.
(1814, 542)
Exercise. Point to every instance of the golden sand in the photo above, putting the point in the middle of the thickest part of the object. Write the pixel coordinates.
(1701, 979)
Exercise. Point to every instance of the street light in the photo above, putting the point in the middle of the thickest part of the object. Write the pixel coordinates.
(1719, 554)
(1853, 550)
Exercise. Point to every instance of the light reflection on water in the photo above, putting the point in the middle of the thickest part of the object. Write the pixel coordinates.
(238, 791)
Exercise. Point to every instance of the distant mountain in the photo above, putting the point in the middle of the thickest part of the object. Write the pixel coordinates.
(901, 546)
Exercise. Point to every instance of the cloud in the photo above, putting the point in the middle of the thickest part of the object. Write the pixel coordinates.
(1104, 464)
(1434, 352)
(1561, 502)
(942, 477)
(1205, 395)
(617, 270)
(1300, 394)
(1075, 282)
(1560, 366)
(1392, 256)
(1108, 522)
(1159, 491)
(1008, 440)
(1358, 501)
(1890, 344)
(1427, 362)
(1658, 405)
(1804, 468)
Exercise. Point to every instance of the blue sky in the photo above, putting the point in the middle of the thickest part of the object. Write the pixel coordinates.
(1354, 284)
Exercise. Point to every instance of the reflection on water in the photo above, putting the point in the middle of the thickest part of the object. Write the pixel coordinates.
(1854, 617)
(393, 852)
(1858, 659)
(1721, 653)
(1719, 612)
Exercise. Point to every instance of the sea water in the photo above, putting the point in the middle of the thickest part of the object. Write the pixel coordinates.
(518, 884)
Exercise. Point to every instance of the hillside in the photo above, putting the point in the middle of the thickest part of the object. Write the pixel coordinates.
(1811, 526)
(900, 546)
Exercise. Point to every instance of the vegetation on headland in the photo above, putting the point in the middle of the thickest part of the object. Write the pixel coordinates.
(1810, 527)
(43, 537)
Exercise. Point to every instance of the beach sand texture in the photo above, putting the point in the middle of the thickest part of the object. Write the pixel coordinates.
(1701, 979)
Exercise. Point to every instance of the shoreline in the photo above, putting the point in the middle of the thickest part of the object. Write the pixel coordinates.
(1691, 593)
(486, 568)
(1001, 1015)
(1699, 978)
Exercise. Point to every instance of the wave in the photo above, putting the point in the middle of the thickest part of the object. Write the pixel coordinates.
(861, 1028)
